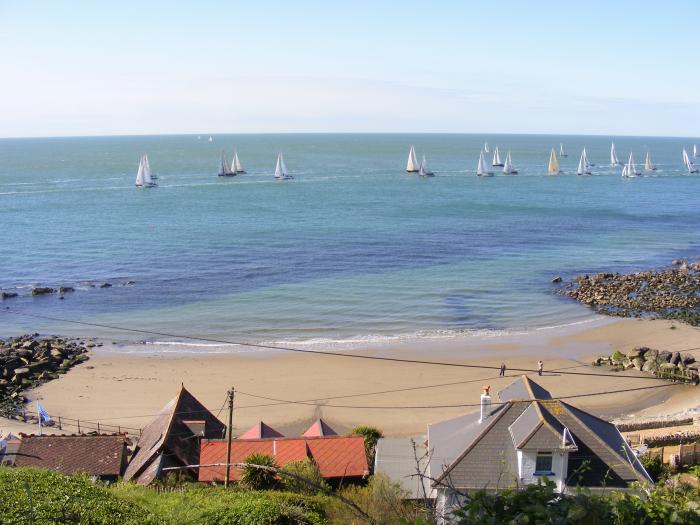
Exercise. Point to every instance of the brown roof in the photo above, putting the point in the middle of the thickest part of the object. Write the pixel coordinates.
(168, 433)
(95, 455)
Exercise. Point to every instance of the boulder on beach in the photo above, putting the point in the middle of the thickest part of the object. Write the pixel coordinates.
(42, 290)
(7, 295)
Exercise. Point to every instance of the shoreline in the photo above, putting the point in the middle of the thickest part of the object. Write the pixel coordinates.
(128, 389)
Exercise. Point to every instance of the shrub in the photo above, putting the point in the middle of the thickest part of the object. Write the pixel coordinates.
(371, 436)
(257, 478)
(306, 469)
(655, 467)
(42, 496)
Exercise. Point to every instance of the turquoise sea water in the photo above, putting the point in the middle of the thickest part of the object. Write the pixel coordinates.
(352, 249)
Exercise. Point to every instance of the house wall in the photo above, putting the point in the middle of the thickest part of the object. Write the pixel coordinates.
(526, 468)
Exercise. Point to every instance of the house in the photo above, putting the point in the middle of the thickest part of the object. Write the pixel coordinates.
(172, 439)
(524, 438)
(404, 461)
(100, 456)
(337, 457)
(9, 444)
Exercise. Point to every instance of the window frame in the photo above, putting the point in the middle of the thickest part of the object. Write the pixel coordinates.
(541, 472)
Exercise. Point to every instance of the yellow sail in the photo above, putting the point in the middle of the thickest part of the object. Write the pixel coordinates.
(553, 167)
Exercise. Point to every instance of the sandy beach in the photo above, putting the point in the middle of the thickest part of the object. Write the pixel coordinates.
(127, 389)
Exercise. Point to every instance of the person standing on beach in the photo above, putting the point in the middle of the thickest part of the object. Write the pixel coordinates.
(540, 367)
(503, 370)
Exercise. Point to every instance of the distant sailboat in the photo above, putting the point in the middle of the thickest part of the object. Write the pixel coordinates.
(486, 148)
(211, 139)
(481, 169)
(583, 165)
(412, 163)
(236, 165)
(224, 168)
(508, 168)
(144, 178)
(689, 163)
(424, 170)
(648, 164)
(589, 164)
(562, 155)
(614, 161)
(695, 151)
(630, 170)
(496, 158)
(553, 167)
(281, 169)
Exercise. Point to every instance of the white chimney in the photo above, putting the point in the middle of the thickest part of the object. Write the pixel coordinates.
(485, 404)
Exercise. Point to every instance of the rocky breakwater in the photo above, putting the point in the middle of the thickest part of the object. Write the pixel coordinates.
(675, 366)
(669, 293)
(29, 360)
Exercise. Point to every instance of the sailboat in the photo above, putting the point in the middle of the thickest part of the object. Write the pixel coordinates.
(224, 168)
(614, 161)
(281, 169)
(424, 170)
(630, 170)
(589, 164)
(481, 169)
(486, 148)
(695, 151)
(144, 178)
(496, 158)
(211, 139)
(508, 168)
(236, 165)
(562, 155)
(553, 167)
(689, 163)
(412, 163)
(648, 164)
(583, 165)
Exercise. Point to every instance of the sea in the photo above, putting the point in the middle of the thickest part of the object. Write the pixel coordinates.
(353, 251)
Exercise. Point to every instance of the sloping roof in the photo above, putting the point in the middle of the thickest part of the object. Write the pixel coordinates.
(532, 419)
(523, 388)
(9, 445)
(95, 455)
(336, 456)
(397, 459)
(260, 431)
(319, 428)
(168, 432)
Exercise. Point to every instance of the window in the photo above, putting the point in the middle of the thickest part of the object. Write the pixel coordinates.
(543, 464)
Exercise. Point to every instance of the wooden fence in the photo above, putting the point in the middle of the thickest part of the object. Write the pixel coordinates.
(688, 454)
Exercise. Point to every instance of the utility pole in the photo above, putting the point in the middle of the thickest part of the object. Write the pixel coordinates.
(229, 431)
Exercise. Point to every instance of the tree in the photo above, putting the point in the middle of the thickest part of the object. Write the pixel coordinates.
(260, 478)
(371, 436)
(306, 469)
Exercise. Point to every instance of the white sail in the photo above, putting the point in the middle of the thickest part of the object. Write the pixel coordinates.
(695, 151)
(139, 173)
(496, 158)
(481, 168)
(236, 165)
(562, 155)
(412, 163)
(147, 175)
(224, 168)
(486, 147)
(211, 139)
(624, 170)
(631, 169)
(424, 170)
(553, 167)
(614, 161)
(648, 164)
(688, 163)
(583, 164)
(508, 168)
(281, 168)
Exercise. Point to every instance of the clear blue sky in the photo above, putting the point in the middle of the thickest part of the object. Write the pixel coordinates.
(127, 67)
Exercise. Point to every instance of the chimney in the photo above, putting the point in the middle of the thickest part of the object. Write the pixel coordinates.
(485, 404)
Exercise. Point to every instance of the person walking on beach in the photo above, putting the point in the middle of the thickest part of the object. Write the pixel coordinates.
(503, 370)
(540, 367)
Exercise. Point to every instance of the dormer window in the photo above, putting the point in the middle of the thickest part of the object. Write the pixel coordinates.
(543, 464)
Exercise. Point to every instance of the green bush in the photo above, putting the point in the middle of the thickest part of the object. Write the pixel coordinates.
(306, 469)
(655, 467)
(257, 478)
(371, 436)
(36, 497)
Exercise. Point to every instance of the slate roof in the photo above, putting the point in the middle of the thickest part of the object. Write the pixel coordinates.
(169, 438)
(467, 454)
(102, 456)
(260, 431)
(336, 456)
(396, 458)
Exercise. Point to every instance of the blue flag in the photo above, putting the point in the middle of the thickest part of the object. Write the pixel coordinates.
(43, 414)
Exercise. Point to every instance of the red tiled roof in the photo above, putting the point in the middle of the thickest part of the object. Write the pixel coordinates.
(260, 431)
(335, 456)
(319, 428)
(94, 455)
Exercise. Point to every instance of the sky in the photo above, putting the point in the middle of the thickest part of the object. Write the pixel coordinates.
(147, 67)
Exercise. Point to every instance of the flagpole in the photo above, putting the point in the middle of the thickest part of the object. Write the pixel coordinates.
(38, 412)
